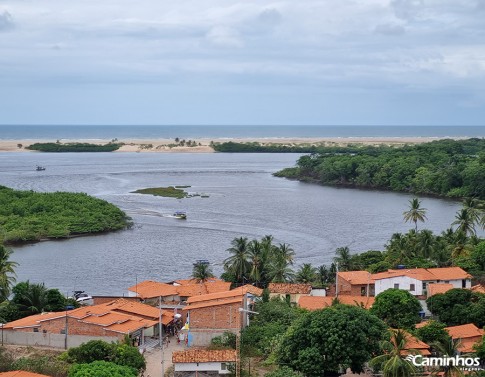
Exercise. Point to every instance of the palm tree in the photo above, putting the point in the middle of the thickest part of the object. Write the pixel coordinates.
(201, 272)
(238, 263)
(306, 274)
(323, 275)
(343, 258)
(284, 252)
(415, 213)
(280, 272)
(393, 362)
(256, 256)
(450, 348)
(31, 298)
(465, 221)
(7, 273)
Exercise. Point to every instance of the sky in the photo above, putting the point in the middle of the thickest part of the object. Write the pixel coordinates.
(255, 62)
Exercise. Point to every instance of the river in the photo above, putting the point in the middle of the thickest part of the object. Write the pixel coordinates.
(244, 200)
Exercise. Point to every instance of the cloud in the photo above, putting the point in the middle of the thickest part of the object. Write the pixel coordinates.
(407, 9)
(224, 36)
(390, 29)
(6, 21)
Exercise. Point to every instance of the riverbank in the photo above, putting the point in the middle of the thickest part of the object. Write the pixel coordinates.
(203, 145)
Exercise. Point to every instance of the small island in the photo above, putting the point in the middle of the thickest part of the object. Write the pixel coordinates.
(169, 192)
(27, 216)
(74, 147)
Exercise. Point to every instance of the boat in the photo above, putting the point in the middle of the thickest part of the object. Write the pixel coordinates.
(180, 215)
(39, 168)
(82, 297)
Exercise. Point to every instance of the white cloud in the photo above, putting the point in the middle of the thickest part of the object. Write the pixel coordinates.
(6, 21)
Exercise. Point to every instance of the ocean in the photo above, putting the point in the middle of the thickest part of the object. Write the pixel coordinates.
(19, 132)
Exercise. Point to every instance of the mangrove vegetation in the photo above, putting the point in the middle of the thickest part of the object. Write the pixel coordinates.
(446, 168)
(74, 147)
(32, 216)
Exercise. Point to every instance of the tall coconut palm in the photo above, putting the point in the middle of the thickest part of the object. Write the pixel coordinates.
(465, 221)
(393, 362)
(306, 274)
(201, 272)
(343, 258)
(31, 298)
(323, 275)
(415, 213)
(284, 252)
(238, 263)
(450, 348)
(7, 272)
(280, 271)
(255, 253)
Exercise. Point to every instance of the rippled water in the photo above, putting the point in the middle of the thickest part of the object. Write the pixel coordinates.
(245, 200)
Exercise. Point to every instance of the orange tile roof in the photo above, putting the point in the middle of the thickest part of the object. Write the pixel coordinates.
(21, 373)
(288, 288)
(413, 343)
(133, 307)
(464, 331)
(320, 302)
(357, 277)
(33, 320)
(436, 288)
(203, 288)
(205, 304)
(216, 296)
(424, 274)
(203, 356)
(195, 281)
(130, 326)
(151, 289)
(478, 288)
(422, 324)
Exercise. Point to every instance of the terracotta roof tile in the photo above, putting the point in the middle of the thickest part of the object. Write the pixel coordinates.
(197, 289)
(287, 288)
(130, 326)
(464, 331)
(436, 288)
(195, 281)
(33, 320)
(413, 343)
(216, 296)
(133, 307)
(319, 302)
(478, 288)
(205, 304)
(203, 356)
(21, 373)
(151, 289)
(357, 277)
(450, 273)
(426, 274)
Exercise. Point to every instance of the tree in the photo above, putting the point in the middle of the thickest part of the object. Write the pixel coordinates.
(101, 369)
(392, 362)
(306, 274)
(343, 258)
(7, 272)
(238, 263)
(202, 271)
(257, 260)
(283, 372)
(433, 332)
(280, 272)
(325, 341)
(415, 213)
(450, 348)
(465, 219)
(398, 308)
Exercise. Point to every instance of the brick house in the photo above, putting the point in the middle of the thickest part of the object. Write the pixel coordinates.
(355, 283)
(468, 335)
(112, 320)
(288, 291)
(213, 314)
(203, 363)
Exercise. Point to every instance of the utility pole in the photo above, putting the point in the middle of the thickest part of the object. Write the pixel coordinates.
(160, 332)
(336, 279)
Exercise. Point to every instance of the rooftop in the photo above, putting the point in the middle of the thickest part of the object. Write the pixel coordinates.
(478, 288)
(288, 288)
(425, 274)
(320, 302)
(357, 277)
(464, 331)
(436, 288)
(204, 356)
(21, 373)
(151, 289)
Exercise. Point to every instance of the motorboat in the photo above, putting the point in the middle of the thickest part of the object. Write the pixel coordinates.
(82, 297)
(39, 168)
(180, 215)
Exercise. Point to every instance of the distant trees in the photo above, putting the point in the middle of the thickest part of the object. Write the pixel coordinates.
(398, 308)
(74, 147)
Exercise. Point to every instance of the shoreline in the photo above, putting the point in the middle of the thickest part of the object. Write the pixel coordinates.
(164, 145)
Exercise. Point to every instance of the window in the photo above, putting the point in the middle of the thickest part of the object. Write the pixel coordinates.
(447, 282)
(396, 286)
(362, 291)
(412, 287)
(463, 283)
(223, 366)
(36, 329)
(424, 285)
(63, 331)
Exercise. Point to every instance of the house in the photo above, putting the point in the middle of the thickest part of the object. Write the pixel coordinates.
(478, 289)
(111, 322)
(203, 363)
(413, 345)
(417, 280)
(355, 283)
(288, 291)
(436, 288)
(468, 335)
(21, 373)
(213, 314)
(316, 302)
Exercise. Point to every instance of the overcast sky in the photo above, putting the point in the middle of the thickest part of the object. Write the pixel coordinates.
(242, 62)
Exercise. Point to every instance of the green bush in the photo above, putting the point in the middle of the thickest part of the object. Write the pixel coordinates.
(101, 369)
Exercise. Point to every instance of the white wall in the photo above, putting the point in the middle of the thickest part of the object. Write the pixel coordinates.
(22, 338)
(404, 284)
(318, 292)
(200, 367)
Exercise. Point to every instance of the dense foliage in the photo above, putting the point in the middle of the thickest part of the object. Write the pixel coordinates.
(74, 147)
(398, 308)
(331, 339)
(283, 372)
(256, 147)
(102, 369)
(452, 168)
(458, 307)
(169, 192)
(31, 216)
(433, 332)
(98, 350)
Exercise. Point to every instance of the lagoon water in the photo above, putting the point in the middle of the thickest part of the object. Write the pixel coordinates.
(245, 200)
